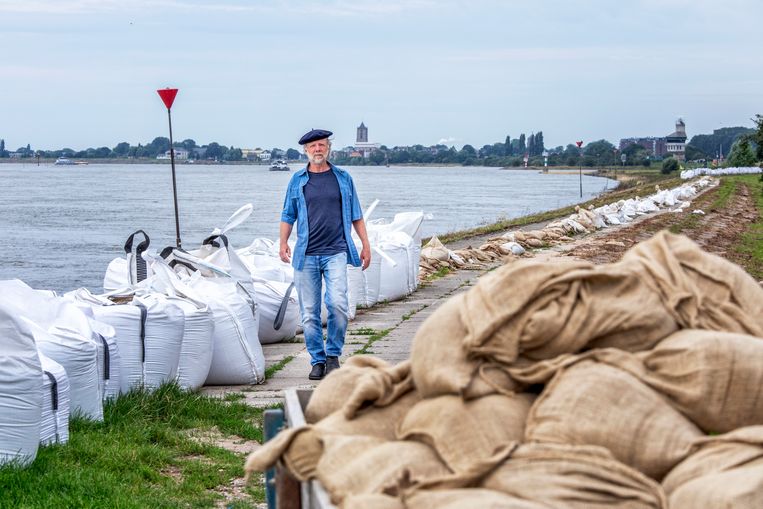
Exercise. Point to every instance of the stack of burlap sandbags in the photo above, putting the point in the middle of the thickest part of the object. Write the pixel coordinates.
(632, 385)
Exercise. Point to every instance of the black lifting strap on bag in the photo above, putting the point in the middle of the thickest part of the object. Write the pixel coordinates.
(282, 309)
(106, 359)
(167, 252)
(212, 240)
(143, 317)
(141, 270)
(53, 390)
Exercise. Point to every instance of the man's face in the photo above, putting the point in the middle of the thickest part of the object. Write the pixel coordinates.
(317, 151)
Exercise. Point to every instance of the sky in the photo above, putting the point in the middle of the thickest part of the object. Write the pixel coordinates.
(84, 73)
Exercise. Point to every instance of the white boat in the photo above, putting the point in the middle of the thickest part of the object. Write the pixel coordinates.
(64, 161)
(280, 165)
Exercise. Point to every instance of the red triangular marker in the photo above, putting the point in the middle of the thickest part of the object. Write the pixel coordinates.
(168, 96)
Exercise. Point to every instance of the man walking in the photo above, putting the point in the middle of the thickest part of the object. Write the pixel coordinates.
(322, 200)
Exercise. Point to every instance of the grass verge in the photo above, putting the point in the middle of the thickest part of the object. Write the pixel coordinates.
(139, 456)
(751, 243)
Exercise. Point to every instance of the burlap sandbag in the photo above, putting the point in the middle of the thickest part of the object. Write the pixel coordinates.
(438, 360)
(714, 378)
(573, 477)
(702, 290)
(334, 390)
(351, 466)
(372, 501)
(472, 498)
(465, 432)
(542, 310)
(363, 381)
(726, 471)
(300, 449)
(591, 403)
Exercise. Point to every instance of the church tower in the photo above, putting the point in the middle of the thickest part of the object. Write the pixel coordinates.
(362, 136)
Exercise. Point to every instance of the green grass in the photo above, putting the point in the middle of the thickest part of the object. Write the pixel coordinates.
(727, 188)
(141, 455)
(412, 312)
(751, 244)
(278, 366)
(373, 338)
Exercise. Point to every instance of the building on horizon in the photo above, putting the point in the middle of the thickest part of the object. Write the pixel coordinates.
(362, 146)
(362, 134)
(676, 141)
(673, 144)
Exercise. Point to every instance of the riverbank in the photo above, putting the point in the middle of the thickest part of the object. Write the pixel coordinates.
(178, 449)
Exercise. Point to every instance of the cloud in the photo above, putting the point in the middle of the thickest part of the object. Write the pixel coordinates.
(447, 141)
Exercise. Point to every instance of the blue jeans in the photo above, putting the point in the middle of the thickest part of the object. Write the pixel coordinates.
(309, 282)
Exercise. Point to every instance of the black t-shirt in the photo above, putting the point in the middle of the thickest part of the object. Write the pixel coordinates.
(324, 212)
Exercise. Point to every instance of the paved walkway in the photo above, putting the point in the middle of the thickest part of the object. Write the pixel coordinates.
(396, 323)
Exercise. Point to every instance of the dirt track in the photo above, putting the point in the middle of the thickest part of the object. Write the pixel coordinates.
(716, 230)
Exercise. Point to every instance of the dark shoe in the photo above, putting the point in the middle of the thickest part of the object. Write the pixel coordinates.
(332, 363)
(317, 372)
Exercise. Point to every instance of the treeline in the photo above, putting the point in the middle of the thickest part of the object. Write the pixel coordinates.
(159, 146)
(510, 152)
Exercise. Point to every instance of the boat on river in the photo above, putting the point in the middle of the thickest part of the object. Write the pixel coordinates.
(64, 161)
(280, 165)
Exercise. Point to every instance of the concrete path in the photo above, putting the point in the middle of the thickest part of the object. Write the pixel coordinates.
(385, 330)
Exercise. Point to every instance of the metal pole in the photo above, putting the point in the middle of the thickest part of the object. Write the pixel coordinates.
(174, 183)
(580, 175)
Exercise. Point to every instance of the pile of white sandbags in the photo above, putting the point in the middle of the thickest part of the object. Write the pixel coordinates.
(520, 243)
(68, 336)
(394, 269)
(735, 170)
(148, 330)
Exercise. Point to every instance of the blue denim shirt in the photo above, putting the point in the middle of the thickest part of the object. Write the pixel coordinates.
(295, 209)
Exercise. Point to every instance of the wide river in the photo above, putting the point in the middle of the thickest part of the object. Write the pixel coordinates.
(61, 225)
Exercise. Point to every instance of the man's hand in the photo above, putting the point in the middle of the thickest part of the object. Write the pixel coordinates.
(285, 252)
(365, 256)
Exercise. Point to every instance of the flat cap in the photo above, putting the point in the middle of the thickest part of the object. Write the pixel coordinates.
(314, 134)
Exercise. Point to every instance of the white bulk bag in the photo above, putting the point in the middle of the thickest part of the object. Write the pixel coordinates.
(410, 224)
(20, 389)
(368, 282)
(263, 261)
(109, 360)
(279, 311)
(238, 356)
(148, 332)
(355, 290)
(394, 276)
(164, 338)
(54, 423)
(79, 357)
(197, 348)
(64, 333)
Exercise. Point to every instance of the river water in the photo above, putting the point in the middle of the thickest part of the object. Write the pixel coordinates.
(61, 225)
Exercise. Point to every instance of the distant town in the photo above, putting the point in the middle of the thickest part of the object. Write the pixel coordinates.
(723, 145)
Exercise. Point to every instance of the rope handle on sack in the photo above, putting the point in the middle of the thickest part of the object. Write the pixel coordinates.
(278, 322)
(141, 269)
